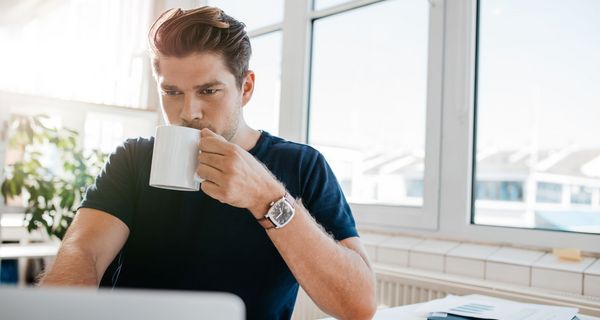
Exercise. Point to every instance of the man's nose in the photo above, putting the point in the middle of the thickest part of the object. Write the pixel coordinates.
(192, 108)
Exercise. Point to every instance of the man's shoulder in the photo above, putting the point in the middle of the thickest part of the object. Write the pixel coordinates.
(134, 149)
(280, 145)
(139, 144)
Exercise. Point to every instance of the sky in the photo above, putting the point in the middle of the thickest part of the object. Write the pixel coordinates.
(539, 73)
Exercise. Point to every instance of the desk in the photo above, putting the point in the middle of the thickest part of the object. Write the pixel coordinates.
(408, 313)
(404, 313)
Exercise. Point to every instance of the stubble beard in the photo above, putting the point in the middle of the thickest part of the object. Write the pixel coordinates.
(231, 129)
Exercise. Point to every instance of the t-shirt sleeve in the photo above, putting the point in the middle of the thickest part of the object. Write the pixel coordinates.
(323, 198)
(114, 188)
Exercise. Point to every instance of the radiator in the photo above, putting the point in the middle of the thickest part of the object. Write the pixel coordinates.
(398, 286)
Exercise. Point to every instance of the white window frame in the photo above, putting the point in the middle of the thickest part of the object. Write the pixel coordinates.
(458, 148)
(446, 211)
(293, 125)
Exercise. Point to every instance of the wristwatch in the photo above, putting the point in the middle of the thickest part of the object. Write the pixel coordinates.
(280, 213)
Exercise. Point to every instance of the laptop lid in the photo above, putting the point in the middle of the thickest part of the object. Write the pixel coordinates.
(92, 304)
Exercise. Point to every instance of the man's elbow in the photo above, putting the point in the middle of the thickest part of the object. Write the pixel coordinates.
(364, 310)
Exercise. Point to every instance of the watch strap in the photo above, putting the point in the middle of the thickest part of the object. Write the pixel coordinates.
(266, 223)
(288, 197)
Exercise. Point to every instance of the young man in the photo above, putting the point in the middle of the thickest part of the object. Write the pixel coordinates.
(128, 234)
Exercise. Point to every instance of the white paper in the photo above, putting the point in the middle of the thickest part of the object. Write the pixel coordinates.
(491, 308)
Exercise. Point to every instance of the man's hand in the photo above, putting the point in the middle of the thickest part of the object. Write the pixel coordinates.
(234, 176)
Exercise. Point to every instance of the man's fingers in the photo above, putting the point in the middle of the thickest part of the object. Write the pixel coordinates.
(211, 189)
(211, 159)
(209, 173)
(206, 133)
(214, 145)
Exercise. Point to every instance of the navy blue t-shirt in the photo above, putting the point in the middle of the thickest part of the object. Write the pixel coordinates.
(189, 241)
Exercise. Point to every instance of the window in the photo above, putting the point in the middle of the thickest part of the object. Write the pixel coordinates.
(581, 195)
(262, 112)
(104, 131)
(549, 192)
(92, 51)
(368, 118)
(499, 190)
(255, 14)
(264, 28)
(537, 109)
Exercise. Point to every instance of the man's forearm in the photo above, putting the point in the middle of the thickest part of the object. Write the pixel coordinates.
(72, 267)
(338, 279)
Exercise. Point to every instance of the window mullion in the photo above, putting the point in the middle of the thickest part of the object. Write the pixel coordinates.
(297, 25)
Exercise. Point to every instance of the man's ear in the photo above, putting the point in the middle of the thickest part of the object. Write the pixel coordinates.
(247, 87)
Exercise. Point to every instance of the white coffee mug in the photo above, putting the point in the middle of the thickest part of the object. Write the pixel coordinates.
(175, 159)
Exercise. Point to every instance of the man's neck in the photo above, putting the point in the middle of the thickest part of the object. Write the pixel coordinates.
(246, 137)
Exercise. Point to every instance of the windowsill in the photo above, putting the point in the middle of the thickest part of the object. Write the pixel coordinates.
(530, 268)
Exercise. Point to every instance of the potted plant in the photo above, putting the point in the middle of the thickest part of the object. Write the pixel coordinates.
(51, 175)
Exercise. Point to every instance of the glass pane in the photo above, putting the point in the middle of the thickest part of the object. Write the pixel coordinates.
(538, 105)
(254, 14)
(92, 51)
(368, 99)
(262, 112)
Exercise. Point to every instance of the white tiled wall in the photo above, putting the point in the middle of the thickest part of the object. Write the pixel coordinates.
(426, 261)
(469, 259)
(465, 267)
(395, 256)
(591, 285)
(508, 273)
(371, 242)
(551, 273)
(394, 250)
(557, 280)
(528, 268)
(591, 280)
(430, 254)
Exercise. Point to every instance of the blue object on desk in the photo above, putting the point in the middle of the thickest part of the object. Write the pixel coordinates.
(9, 271)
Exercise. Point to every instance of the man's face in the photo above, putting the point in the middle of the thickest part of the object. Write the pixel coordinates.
(199, 91)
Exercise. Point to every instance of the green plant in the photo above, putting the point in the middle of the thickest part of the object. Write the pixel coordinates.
(52, 192)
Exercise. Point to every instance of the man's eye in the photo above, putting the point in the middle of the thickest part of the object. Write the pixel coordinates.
(171, 93)
(208, 91)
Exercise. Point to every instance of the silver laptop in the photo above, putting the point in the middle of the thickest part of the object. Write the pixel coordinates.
(91, 304)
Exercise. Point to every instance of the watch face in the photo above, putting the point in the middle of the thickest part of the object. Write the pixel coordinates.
(282, 212)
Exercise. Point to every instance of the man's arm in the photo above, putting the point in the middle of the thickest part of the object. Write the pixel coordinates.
(89, 246)
(337, 276)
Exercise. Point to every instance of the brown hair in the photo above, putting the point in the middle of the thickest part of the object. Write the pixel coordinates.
(179, 33)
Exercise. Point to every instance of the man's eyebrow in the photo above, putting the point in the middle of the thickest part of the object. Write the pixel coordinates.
(208, 85)
(165, 86)
(168, 87)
